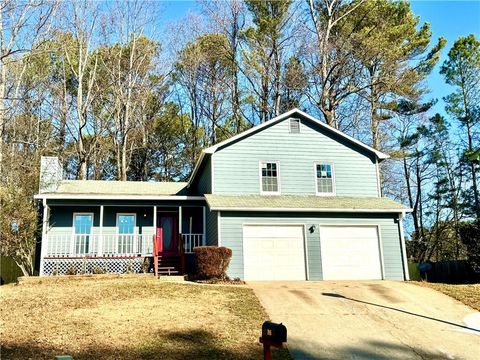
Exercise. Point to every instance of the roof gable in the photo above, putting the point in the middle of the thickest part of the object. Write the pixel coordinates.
(346, 139)
(292, 113)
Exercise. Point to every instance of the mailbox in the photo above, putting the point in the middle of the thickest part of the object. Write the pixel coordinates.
(274, 333)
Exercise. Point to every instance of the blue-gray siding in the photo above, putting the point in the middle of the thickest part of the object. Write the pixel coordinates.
(232, 237)
(204, 182)
(236, 167)
(212, 228)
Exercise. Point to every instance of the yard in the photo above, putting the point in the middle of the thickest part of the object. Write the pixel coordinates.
(467, 294)
(130, 318)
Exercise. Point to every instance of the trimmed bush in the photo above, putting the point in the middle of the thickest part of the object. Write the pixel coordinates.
(212, 262)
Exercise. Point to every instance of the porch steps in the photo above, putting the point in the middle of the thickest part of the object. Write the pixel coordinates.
(168, 266)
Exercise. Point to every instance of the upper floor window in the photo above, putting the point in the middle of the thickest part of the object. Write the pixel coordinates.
(325, 179)
(269, 177)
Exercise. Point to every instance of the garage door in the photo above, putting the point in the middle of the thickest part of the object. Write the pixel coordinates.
(350, 253)
(273, 252)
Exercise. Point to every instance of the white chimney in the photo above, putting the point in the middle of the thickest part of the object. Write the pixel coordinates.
(51, 173)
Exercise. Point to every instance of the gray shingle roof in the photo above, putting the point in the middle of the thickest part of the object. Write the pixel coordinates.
(97, 187)
(305, 203)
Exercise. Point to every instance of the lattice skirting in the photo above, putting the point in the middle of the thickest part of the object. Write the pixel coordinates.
(94, 266)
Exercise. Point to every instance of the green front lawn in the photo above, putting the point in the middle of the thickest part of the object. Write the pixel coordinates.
(130, 318)
(467, 294)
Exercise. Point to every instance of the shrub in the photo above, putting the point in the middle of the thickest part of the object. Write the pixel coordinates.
(147, 265)
(72, 270)
(129, 268)
(99, 270)
(212, 262)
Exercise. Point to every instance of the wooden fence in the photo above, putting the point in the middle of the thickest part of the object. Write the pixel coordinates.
(450, 272)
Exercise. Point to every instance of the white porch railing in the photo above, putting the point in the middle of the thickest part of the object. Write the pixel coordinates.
(71, 245)
(190, 241)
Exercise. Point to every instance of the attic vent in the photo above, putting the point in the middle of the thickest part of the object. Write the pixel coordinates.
(294, 126)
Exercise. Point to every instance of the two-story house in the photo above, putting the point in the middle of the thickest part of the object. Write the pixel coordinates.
(293, 198)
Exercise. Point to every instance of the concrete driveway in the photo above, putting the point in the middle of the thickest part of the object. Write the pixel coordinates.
(370, 320)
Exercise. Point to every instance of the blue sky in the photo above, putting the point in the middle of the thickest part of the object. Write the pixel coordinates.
(450, 19)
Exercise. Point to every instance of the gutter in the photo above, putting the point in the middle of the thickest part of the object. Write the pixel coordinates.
(326, 210)
(116, 197)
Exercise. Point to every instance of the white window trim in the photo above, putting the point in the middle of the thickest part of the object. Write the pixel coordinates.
(83, 213)
(73, 243)
(334, 185)
(260, 177)
(134, 225)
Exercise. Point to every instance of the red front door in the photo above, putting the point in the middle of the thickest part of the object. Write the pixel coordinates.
(168, 230)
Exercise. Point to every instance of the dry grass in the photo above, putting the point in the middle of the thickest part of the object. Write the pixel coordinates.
(467, 294)
(130, 318)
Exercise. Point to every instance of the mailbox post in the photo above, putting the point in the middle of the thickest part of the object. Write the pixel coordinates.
(272, 335)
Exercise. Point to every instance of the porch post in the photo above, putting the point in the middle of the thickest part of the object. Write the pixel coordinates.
(204, 240)
(154, 228)
(100, 234)
(180, 220)
(44, 247)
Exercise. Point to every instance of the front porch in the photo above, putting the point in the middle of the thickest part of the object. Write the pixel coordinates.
(120, 239)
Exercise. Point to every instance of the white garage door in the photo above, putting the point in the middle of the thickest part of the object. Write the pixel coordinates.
(350, 253)
(273, 252)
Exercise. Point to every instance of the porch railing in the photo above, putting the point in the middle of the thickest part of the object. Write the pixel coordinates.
(95, 245)
(192, 240)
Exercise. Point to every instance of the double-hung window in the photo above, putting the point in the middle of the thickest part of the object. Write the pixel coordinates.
(82, 226)
(324, 178)
(270, 177)
(126, 233)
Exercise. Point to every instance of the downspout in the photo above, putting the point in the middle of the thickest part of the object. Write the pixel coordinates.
(403, 248)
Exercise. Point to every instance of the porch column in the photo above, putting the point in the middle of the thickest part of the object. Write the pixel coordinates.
(44, 247)
(204, 239)
(180, 220)
(154, 228)
(100, 234)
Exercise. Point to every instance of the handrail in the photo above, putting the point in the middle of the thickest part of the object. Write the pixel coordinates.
(155, 255)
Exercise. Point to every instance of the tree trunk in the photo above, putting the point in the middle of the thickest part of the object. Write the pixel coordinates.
(277, 95)
(264, 99)
(3, 74)
(2, 106)
(411, 203)
(373, 114)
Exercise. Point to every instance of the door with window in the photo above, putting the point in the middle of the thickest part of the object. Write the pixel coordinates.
(126, 233)
(167, 230)
(82, 223)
